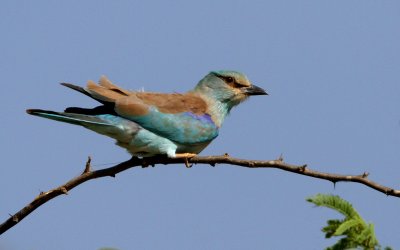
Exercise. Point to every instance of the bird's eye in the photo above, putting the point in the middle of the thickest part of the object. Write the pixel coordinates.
(229, 79)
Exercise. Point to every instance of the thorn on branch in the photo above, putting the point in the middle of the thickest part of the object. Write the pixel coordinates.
(87, 166)
(365, 175)
(303, 168)
(389, 191)
(40, 194)
(64, 190)
(15, 219)
(280, 159)
(144, 164)
(212, 164)
(226, 155)
(334, 184)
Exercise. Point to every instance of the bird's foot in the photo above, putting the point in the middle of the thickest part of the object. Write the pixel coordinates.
(185, 156)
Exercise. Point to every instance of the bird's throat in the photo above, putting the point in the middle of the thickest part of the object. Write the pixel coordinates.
(217, 110)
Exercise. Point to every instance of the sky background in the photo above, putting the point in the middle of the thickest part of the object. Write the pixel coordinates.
(331, 69)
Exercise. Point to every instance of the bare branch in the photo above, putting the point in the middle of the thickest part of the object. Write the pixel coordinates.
(88, 174)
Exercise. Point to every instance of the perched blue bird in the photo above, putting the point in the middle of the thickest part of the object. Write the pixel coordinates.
(149, 124)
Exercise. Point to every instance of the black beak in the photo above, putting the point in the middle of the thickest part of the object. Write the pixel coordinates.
(254, 90)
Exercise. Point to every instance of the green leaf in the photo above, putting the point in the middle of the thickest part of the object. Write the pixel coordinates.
(358, 234)
(341, 244)
(367, 237)
(347, 225)
(334, 202)
(331, 228)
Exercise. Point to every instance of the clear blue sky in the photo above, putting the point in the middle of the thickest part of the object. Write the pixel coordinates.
(332, 71)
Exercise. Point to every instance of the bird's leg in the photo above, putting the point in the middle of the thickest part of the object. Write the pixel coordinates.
(185, 156)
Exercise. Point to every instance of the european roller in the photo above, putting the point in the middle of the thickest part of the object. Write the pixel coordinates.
(148, 124)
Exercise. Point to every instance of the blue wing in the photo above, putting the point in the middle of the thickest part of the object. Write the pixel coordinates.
(184, 128)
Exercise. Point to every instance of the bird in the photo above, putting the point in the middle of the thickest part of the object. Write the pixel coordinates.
(147, 124)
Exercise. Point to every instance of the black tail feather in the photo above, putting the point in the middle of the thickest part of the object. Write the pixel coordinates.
(100, 110)
(39, 111)
(75, 87)
(72, 118)
(83, 91)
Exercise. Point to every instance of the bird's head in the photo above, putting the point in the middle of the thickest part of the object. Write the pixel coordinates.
(228, 87)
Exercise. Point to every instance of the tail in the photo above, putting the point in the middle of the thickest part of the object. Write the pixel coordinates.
(110, 125)
(72, 118)
(101, 119)
(105, 92)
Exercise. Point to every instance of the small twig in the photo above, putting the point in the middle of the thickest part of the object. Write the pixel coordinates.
(87, 166)
(87, 175)
(280, 158)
